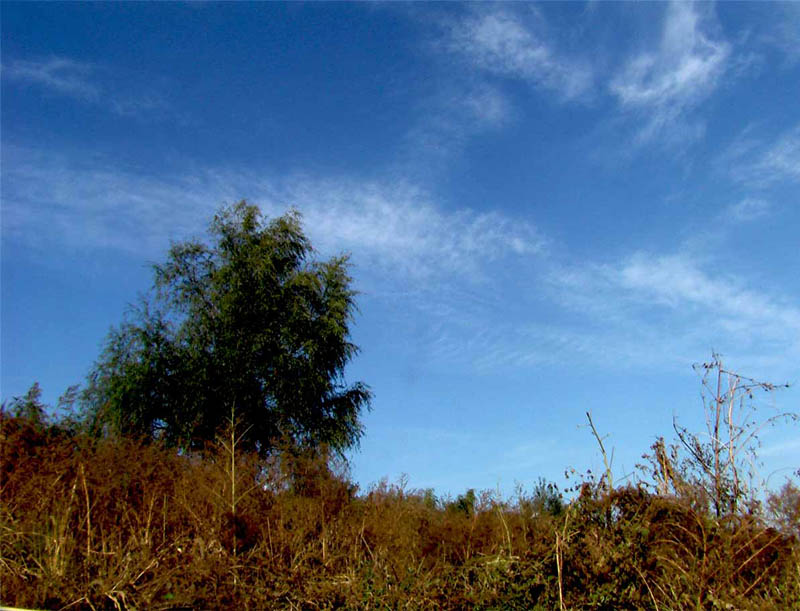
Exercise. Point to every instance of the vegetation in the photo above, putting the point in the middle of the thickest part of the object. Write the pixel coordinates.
(114, 523)
(251, 324)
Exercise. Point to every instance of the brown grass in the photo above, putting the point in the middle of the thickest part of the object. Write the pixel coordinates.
(114, 524)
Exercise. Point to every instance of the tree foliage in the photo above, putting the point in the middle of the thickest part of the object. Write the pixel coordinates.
(250, 324)
(28, 407)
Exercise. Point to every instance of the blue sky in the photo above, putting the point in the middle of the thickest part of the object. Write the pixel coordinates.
(551, 208)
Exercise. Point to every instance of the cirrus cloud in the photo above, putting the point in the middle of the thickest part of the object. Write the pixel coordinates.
(500, 42)
(50, 198)
(665, 84)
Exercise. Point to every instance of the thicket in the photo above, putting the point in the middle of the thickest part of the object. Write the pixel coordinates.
(114, 523)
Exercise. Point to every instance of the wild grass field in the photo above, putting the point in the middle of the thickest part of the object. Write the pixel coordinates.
(112, 523)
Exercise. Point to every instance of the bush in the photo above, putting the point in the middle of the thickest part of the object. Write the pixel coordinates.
(119, 524)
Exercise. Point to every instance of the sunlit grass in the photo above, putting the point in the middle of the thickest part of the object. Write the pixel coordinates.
(116, 524)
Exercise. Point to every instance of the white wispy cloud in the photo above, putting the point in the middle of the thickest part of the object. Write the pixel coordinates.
(418, 247)
(646, 312)
(782, 161)
(486, 105)
(519, 346)
(748, 209)
(84, 202)
(674, 309)
(760, 162)
(676, 281)
(57, 74)
(459, 111)
(501, 42)
(82, 81)
(398, 225)
(449, 268)
(666, 83)
(59, 199)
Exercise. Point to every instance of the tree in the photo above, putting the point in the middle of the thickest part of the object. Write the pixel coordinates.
(29, 406)
(251, 324)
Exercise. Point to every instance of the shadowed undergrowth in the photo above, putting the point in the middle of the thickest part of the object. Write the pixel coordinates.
(104, 524)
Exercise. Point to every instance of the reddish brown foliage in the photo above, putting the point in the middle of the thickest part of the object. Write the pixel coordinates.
(116, 524)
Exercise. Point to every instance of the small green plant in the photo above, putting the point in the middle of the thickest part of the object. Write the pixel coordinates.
(465, 503)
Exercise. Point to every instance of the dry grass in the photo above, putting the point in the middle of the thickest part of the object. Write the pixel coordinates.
(114, 524)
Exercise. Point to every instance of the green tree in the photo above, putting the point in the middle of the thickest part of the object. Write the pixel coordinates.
(251, 324)
(29, 406)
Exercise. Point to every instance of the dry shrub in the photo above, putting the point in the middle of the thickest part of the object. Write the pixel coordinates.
(113, 524)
